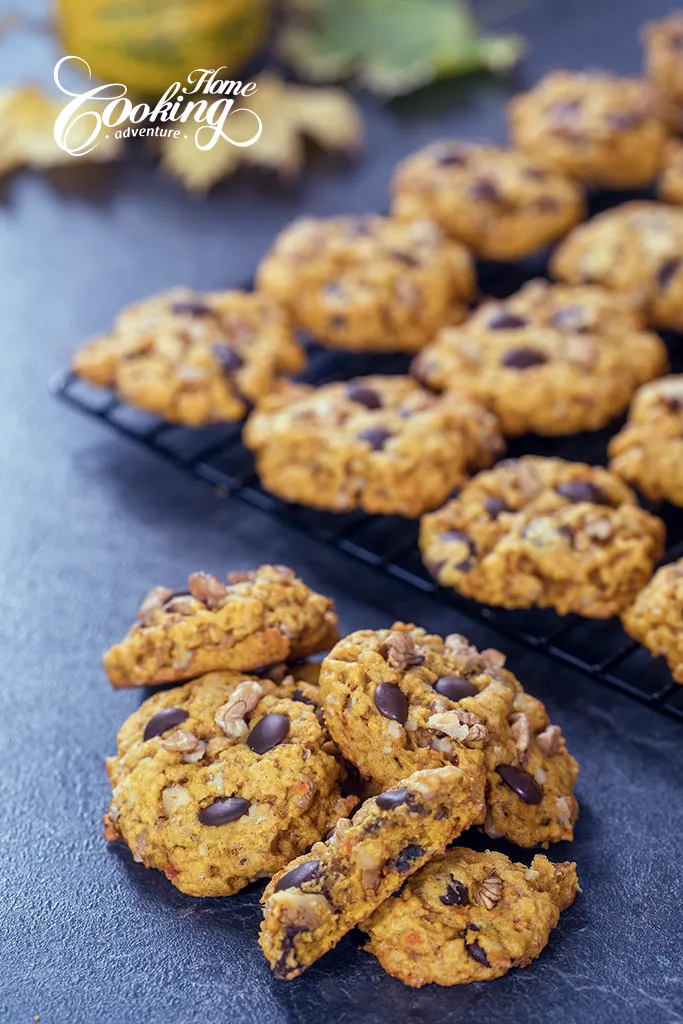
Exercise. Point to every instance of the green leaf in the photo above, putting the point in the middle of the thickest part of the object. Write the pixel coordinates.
(390, 46)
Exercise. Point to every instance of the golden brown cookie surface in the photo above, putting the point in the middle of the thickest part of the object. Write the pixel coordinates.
(369, 283)
(655, 620)
(257, 618)
(322, 895)
(469, 916)
(501, 203)
(551, 359)
(400, 700)
(544, 532)
(222, 781)
(663, 43)
(592, 126)
(194, 358)
(384, 444)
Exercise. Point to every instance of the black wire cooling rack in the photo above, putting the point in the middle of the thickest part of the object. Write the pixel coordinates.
(389, 543)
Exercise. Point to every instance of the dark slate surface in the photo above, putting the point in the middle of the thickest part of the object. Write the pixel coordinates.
(87, 522)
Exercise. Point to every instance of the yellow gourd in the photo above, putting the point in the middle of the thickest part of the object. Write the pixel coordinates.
(148, 44)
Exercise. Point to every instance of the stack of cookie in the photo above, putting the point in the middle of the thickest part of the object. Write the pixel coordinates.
(252, 767)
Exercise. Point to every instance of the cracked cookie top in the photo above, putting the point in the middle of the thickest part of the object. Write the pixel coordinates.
(194, 358)
(257, 618)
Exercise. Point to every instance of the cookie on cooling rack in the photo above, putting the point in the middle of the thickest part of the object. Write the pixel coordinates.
(654, 619)
(194, 358)
(593, 126)
(369, 283)
(502, 203)
(547, 533)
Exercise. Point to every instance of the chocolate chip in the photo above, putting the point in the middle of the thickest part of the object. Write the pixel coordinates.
(192, 309)
(303, 699)
(352, 782)
(223, 810)
(456, 894)
(667, 271)
(565, 110)
(477, 953)
(622, 120)
(452, 158)
(523, 358)
(407, 855)
(227, 359)
(268, 732)
(376, 437)
(451, 536)
(295, 878)
(163, 721)
(505, 321)
(391, 703)
(406, 258)
(455, 688)
(486, 190)
(571, 318)
(496, 506)
(393, 798)
(364, 396)
(582, 490)
(521, 783)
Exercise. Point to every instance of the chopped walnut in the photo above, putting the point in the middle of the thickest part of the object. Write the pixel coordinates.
(230, 717)
(489, 892)
(520, 727)
(243, 576)
(186, 743)
(111, 833)
(549, 740)
(598, 529)
(305, 910)
(153, 601)
(370, 865)
(401, 652)
(181, 659)
(460, 725)
(463, 652)
(207, 588)
(173, 797)
(339, 831)
(489, 828)
(492, 659)
(564, 811)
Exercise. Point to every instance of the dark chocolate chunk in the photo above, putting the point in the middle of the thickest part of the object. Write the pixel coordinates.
(569, 318)
(302, 698)
(477, 953)
(521, 783)
(393, 798)
(192, 309)
(667, 271)
(504, 321)
(495, 506)
(268, 732)
(376, 437)
(223, 810)
(295, 878)
(163, 721)
(364, 396)
(227, 359)
(456, 894)
(408, 854)
(452, 157)
(624, 119)
(406, 258)
(583, 490)
(486, 190)
(523, 358)
(455, 688)
(391, 703)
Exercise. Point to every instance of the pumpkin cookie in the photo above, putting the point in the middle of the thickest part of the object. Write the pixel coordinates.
(663, 43)
(501, 203)
(400, 700)
(655, 619)
(258, 618)
(194, 358)
(324, 894)
(670, 184)
(551, 359)
(547, 533)
(383, 444)
(592, 126)
(635, 249)
(469, 916)
(648, 451)
(369, 283)
(223, 781)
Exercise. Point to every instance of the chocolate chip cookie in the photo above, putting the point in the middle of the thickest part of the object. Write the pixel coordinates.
(663, 43)
(255, 619)
(324, 894)
(222, 781)
(194, 358)
(655, 619)
(383, 444)
(501, 203)
(550, 360)
(648, 451)
(670, 183)
(400, 700)
(592, 126)
(369, 283)
(544, 532)
(469, 916)
(635, 249)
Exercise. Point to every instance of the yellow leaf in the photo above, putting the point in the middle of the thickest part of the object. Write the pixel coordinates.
(288, 113)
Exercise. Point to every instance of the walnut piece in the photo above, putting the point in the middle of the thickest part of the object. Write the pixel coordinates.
(489, 892)
(173, 797)
(401, 652)
(459, 725)
(185, 742)
(153, 601)
(520, 727)
(300, 909)
(230, 717)
(549, 740)
(207, 588)
(369, 864)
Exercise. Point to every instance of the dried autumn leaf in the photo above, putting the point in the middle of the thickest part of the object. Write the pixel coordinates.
(390, 46)
(27, 120)
(289, 114)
